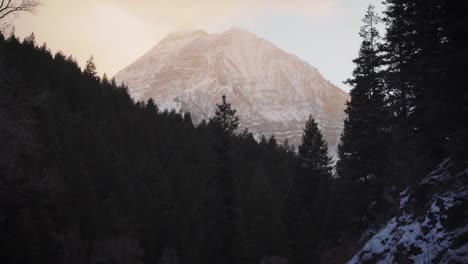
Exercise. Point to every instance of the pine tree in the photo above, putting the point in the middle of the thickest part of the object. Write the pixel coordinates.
(313, 152)
(438, 118)
(225, 116)
(453, 95)
(411, 43)
(363, 148)
(188, 119)
(303, 207)
(90, 68)
(151, 106)
(228, 241)
(403, 44)
(30, 40)
(105, 79)
(362, 151)
(399, 49)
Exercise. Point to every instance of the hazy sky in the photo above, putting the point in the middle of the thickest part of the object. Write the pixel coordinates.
(117, 32)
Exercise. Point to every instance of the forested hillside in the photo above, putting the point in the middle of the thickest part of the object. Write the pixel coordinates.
(89, 176)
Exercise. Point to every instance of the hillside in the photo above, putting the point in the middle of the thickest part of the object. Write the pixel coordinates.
(87, 175)
(430, 226)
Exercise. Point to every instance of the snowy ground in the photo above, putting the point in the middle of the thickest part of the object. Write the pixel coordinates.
(433, 232)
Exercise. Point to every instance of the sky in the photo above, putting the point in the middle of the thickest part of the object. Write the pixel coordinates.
(117, 32)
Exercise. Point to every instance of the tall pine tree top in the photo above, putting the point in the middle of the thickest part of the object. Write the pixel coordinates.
(226, 117)
(361, 149)
(303, 203)
(400, 47)
(313, 151)
(90, 68)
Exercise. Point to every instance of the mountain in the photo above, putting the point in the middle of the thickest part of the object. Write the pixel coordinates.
(430, 225)
(274, 91)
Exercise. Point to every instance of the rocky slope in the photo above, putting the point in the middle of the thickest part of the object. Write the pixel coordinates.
(431, 225)
(273, 91)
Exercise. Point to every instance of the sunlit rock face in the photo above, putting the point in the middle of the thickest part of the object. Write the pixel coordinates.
(274, 91)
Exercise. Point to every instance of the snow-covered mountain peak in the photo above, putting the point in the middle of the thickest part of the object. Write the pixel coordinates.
(274, 91)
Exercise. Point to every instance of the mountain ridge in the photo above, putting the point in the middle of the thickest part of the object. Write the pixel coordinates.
(275, 91)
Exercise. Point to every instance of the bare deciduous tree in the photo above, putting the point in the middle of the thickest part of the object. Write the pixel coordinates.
(9, 8)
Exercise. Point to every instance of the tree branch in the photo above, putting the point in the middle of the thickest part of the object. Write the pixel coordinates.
(9, 7)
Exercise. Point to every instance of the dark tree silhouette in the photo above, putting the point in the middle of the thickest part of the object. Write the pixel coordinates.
(306, 198)
(363, 147)
(226, 117)
(90, 68)
(313, 152)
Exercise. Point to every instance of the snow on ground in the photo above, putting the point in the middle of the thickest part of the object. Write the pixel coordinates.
(435, 232)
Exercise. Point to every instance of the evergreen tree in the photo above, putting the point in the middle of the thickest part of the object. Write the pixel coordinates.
(363, 147)
(438, 55)
(228, 242)
(305, 202)
(313, 152)
(105, 79)
(225, 117)
(400, 48)
(188, 119)
(363, 159)
(405, 21)
(451, 96)
(151, 106)
(423, 62)
(30, 40)
(90, 68)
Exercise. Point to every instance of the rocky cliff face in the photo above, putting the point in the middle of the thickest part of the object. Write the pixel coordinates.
(431, 225)
(274, 91)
